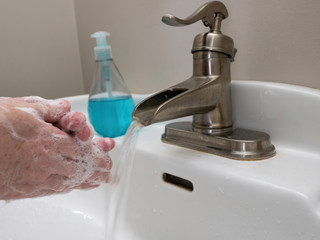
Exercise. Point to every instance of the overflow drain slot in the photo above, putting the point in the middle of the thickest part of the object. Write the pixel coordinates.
(178, 181)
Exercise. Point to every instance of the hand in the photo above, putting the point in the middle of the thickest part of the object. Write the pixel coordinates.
(47, 149)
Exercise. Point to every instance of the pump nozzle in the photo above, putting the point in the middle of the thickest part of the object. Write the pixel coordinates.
(103, 54)
(102, 50)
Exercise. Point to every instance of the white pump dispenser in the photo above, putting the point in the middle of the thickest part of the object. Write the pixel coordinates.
(102, 51)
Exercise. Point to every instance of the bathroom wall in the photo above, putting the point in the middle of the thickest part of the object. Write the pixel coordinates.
(41, 43)
(277, 40)
(39, 51)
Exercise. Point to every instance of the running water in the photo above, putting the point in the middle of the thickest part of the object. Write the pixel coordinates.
(120, 181)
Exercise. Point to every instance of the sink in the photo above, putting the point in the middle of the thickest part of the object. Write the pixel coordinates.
(178, 193)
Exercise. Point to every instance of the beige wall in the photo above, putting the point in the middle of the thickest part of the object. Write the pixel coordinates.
(39, 52)
(277, 40)
(41, 43)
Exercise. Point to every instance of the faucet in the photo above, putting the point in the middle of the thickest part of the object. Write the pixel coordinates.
(206, 95)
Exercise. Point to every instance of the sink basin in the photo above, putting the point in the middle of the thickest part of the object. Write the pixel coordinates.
(177, 193)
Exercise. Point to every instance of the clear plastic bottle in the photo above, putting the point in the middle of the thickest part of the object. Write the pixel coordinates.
(110, 103)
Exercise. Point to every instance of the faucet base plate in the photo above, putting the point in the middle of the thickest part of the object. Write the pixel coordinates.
(240, 144)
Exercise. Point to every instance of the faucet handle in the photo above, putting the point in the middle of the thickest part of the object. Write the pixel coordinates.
(211, 14)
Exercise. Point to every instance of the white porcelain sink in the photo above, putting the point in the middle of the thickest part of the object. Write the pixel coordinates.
(277, 198)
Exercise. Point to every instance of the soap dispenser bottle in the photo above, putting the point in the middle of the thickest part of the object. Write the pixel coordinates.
(110, 104)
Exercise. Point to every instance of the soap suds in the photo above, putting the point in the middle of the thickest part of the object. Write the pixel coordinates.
(58, 108)
(57, 104)
(29, 110)
(5, 109)
(88, 141)
(75, 163)
(7, 124)
(88, 171)
(59, 137)
(33, 99)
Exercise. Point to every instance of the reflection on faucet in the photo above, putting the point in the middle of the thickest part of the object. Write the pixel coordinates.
(206, 96)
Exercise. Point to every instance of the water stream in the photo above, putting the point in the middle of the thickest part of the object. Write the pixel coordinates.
(120, 181)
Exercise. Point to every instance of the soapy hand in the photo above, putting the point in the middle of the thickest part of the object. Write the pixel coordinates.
(46, 149)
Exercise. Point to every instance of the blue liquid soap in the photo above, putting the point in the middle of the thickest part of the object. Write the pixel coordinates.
(111, 117)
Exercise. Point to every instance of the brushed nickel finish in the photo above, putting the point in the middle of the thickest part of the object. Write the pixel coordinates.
(240, 144)
(206, 95)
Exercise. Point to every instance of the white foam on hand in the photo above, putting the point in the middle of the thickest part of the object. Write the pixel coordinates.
(47, 149)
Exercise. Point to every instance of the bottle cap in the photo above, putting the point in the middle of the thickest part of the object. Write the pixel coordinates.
(102, 51)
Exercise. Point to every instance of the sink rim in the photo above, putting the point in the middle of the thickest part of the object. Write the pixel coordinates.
(284, 173)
